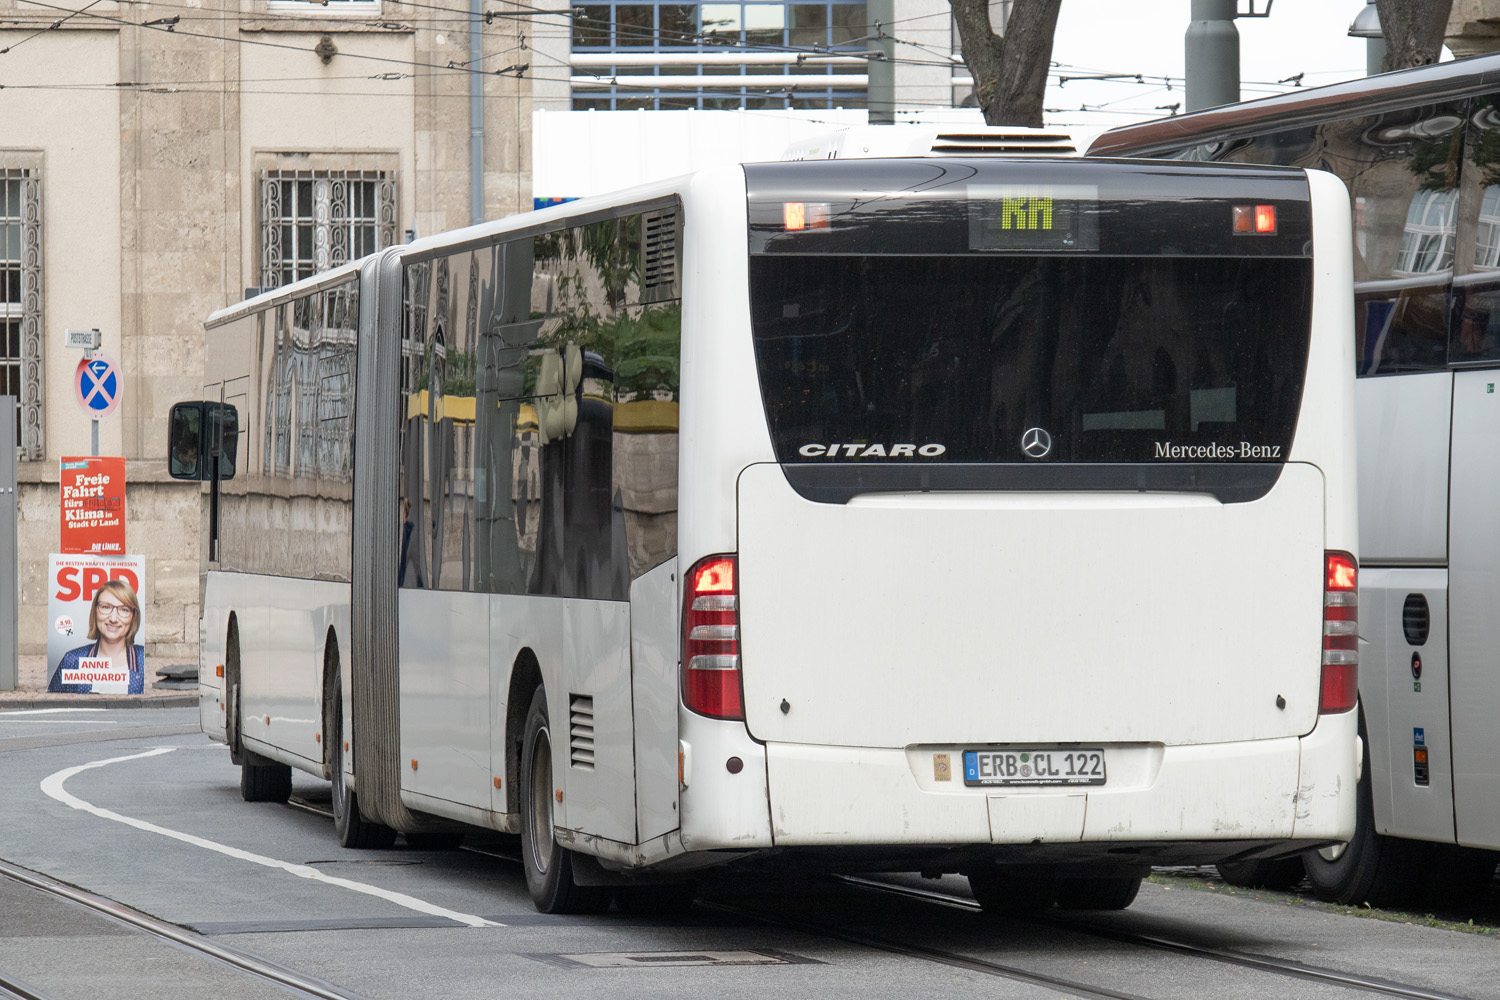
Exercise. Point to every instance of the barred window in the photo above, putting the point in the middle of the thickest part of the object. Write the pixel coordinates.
(21, 302)
(313, 220)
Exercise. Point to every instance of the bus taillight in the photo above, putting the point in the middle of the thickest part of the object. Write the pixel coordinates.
(711, 639)
(1340, 633)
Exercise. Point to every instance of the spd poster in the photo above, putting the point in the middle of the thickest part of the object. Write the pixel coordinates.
(93, 505)
(74, 582)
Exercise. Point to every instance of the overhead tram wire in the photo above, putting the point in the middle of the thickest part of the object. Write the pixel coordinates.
(51, 27)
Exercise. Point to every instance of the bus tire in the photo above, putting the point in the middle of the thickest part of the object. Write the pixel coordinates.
(1279, 874)
(349, 824)
(1371, 868)
(263, 780)
(1103, 892)
(1003, 894)
(548, 865)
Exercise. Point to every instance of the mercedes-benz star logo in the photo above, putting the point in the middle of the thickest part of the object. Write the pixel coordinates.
(1036, 443)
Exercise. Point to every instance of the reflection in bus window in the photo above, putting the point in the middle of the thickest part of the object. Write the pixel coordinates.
(1475, 336)
(1402, 168)
(539, 439)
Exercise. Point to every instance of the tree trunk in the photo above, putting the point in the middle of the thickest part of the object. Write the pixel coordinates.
(1413, 31)
(1010, 72)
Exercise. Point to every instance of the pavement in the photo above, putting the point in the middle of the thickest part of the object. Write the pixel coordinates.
(31, 691)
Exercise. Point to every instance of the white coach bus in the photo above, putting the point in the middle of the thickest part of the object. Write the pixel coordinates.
(953, 515)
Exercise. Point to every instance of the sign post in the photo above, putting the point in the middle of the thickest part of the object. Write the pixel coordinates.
(9, 567)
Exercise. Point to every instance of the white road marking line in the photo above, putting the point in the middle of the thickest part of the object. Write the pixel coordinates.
(68, 722)
(53, 786)
(6, 713)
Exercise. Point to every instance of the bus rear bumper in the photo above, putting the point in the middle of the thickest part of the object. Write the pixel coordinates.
(1264, 790)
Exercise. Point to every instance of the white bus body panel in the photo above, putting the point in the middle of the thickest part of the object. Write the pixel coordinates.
(1474, 607)
(1397, 704)
(445, 695)
(1403, 505)
(284, 625)
(653, 688)
(1113, 617)
(1254, 790)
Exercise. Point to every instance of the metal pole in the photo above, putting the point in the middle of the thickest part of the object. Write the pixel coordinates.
(476, 113)
(94, 435)
(10, 580)
(1213, 55)
(881, 87)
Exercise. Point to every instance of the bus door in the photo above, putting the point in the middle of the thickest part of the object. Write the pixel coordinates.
(1474, 605)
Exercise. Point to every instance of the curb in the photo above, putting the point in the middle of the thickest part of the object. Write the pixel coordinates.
(96, 701)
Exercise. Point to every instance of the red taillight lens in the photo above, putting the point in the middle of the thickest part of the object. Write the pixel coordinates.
(711, 639)
(1340, 633)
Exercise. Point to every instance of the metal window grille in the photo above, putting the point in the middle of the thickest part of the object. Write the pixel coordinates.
(21, 303)
(314, 220)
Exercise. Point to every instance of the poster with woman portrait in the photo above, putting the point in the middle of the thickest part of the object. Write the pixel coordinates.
(94, 606)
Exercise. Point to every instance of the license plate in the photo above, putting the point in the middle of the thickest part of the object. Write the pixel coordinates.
(1034, 767)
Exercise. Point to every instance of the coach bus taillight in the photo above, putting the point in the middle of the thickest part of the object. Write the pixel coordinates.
(711, 639)
(1340, 633)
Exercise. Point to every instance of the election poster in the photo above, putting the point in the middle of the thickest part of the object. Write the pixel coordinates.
(93, 506)
(112, 591)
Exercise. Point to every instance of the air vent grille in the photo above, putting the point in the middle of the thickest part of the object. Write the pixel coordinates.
(659, 275)
(1416, 619)
(1004, 144)
(581, 732)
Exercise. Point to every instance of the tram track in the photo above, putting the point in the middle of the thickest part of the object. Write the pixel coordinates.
(874, 940)
(14, 989)
(1260, 963)
(299, 983)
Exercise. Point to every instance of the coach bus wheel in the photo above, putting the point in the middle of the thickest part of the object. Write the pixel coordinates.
(349, 824)
(1371, 868)
(1105, 892)
(1279, 874)
(1004, 895)
(549, 866)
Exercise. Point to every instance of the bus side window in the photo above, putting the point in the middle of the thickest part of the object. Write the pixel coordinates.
(1402, 169)
(1474, 335)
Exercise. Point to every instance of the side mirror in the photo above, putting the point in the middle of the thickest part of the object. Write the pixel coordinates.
(223, 437)
(199, 432)
(185, 441)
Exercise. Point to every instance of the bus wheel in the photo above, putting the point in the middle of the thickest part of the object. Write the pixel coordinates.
(349, 824)
(1105, 892)
(1371, 868)
(548, 865)
(1279, 874)
(263, 780)
(1006, 895)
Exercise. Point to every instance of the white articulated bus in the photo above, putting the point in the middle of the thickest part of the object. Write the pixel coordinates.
(954, 515)
(1420, 153)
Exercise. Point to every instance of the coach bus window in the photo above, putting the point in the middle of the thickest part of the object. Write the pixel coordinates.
(1403, 171)
(1475, 335)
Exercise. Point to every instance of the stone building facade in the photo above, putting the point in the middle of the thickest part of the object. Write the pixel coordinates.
(158, 159)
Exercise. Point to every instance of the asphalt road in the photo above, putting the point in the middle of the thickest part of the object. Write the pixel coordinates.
(137, 807)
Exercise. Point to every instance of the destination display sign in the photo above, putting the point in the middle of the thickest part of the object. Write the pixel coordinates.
(1033, 217)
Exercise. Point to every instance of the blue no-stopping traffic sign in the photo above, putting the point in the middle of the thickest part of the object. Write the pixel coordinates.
(98, 385)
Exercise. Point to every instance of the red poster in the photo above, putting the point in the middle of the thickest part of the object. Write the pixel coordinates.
(93, 506)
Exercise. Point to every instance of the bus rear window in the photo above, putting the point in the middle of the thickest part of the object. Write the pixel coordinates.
(946, 359)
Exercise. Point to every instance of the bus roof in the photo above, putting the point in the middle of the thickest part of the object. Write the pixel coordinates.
(1366, 96)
